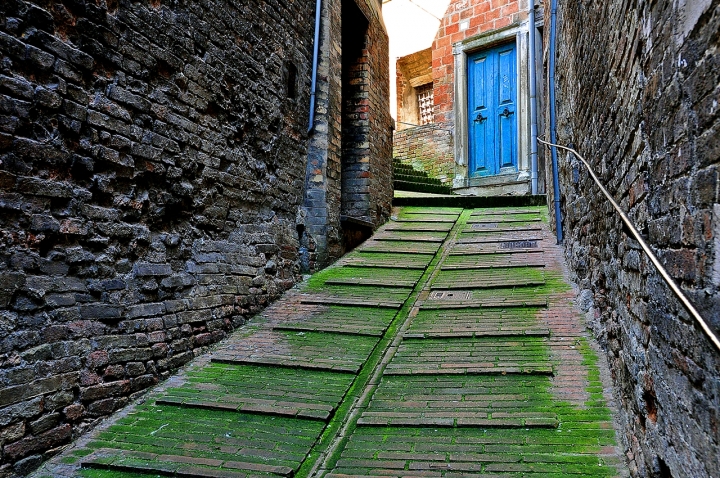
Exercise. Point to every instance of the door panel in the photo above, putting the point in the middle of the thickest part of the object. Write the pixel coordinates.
(480, 115)
(491, 106)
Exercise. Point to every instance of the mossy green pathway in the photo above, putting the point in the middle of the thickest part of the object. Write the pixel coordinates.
(444, 346)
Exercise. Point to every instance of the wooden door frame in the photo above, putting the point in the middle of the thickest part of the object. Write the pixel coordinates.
(461, 50)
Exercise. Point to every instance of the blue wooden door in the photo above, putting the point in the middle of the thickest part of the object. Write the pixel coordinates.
(492, 139)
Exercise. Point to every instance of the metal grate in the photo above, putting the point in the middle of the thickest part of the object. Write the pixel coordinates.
(425, 99)
(451, 295)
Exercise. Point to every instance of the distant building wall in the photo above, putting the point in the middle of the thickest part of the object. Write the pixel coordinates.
(468, 27)
(350, 157)
(412, 72)
(638, 92)
(428, 149)
(425, 146)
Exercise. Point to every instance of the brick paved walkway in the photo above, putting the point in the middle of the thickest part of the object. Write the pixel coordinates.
(446, 345)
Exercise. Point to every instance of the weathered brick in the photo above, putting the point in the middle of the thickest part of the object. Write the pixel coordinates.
(31, 444)
(101, 311)
(104, 390)
(19, 393)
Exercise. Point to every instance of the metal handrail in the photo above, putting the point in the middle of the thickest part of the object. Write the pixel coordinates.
(663, 273)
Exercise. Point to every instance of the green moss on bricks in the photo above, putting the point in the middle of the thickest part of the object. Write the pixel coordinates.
(497, 275)
(318, 280)
(216, 434)
(93, 473)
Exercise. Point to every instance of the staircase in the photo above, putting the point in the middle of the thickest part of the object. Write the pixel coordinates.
(407, 178)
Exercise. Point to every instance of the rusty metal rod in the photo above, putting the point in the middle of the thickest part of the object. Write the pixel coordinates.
(656, 262)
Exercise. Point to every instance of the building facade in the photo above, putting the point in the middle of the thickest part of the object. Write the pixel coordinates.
(478, 138)
(159, 186)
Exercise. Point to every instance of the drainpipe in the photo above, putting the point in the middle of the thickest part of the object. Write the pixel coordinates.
(553, 130)
(316, 54)
(532, 79)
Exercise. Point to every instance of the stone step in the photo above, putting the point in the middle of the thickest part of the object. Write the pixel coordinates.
(250, 405)
(177, 465)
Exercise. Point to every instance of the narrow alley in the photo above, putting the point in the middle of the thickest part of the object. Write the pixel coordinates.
(448, 344)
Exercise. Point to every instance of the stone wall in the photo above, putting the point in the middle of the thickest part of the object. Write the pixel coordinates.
(152, 161)
(638, 92)
(427, 148)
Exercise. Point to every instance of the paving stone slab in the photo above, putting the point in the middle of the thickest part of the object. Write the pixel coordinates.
(343, 272)
(165, 437)
(471, 451)
(387, 260)
(476, 298)
(393, 236)
(510, 247)
(319, 299)
(481, 228)
(344, 320)
(490, 401)
(419, 226)
(311, 350)
(500, 211)
(427, 218)
(123, 460)
(500, 237)
(358, 295)
(256, 389)
(491, 261)
(489, 278)
(476, 323)
(471, 356)
(400, 247)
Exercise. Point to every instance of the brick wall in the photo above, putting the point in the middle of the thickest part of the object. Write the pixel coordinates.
(350, 158)
(151, 166)
(378, 176)
(481, 16)
(638, 96)
(426, 148)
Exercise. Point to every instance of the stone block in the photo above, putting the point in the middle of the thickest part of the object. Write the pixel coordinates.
(101, 311)
(22, 410)
(104, 390)
(10, 395)
(145, 310)
(12, 432)
(152, 270)
(44, 423)
(128, 355)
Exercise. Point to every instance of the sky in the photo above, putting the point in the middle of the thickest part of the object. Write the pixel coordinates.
(411, 26)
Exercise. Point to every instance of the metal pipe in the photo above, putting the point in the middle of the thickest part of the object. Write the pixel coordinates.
(532, 79)
(553, 129)
(631, 227)
(316, 54)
